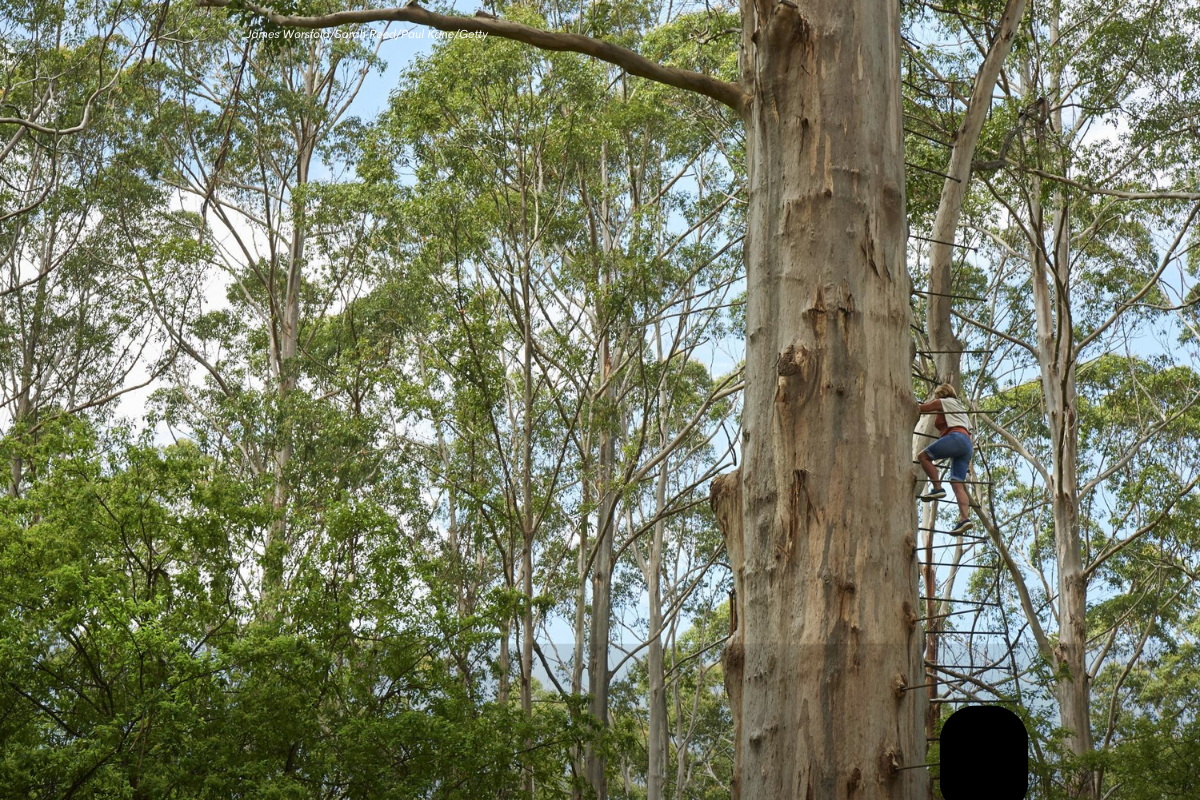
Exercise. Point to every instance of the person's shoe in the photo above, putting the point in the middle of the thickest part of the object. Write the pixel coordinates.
(936, 494)
(963, 526)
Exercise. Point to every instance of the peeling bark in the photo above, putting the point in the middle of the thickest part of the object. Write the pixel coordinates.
(827, 597)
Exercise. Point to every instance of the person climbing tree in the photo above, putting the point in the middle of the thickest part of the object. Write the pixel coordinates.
(954, 443)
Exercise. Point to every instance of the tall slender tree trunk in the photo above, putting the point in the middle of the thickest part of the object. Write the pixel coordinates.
(954, 189)
(945, 344)
(504, 658)
(1056, 360)
(656, 740)
(527, 517)
(578, 767)
(828, 586)
(286, 344)
(602, 569)
(577, 764)
(1057, 364)
(601, 597)
(657, 737)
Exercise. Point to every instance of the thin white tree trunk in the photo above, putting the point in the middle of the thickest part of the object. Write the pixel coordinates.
(656, 740)
(945, 225)
(606, 517)
(287, 345)
(1056, 360)
(527, 514)
(1055, 349)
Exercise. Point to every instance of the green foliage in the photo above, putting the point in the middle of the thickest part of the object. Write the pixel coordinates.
(135, 667)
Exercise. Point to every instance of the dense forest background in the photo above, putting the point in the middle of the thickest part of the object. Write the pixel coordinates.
(367, 454)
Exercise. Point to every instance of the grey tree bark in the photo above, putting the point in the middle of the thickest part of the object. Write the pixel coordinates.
(828, 616)
(656, 739)
(1057, 357)
(1056, 360)
(285, 341)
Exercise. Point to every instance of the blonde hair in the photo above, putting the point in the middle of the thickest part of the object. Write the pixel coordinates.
(945, 390)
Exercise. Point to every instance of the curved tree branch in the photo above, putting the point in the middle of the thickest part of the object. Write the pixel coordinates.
(725, 92)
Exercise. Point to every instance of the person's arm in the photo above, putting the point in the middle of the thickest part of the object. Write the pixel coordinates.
(933, 405)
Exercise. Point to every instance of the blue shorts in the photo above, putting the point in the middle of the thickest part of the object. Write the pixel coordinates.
(957, 447)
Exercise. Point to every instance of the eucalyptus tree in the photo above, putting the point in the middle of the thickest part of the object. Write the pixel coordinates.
(676, 550)
(533, 208)
(252, 123)
(62, 63)
(74, 332)
(661, 297)
(674, 402)
(1076, 226)
(826, 381)
(494, 150)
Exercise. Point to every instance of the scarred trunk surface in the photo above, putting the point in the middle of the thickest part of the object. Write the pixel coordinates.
(827, 598)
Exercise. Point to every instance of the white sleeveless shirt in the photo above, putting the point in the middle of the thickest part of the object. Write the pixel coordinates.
(953, 410)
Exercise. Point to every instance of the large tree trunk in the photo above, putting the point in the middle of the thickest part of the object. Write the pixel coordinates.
(828, 587)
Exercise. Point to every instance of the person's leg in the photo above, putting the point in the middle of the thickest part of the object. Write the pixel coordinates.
(930, 469)
(927, 457)
(959, 464)
(960, 494)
